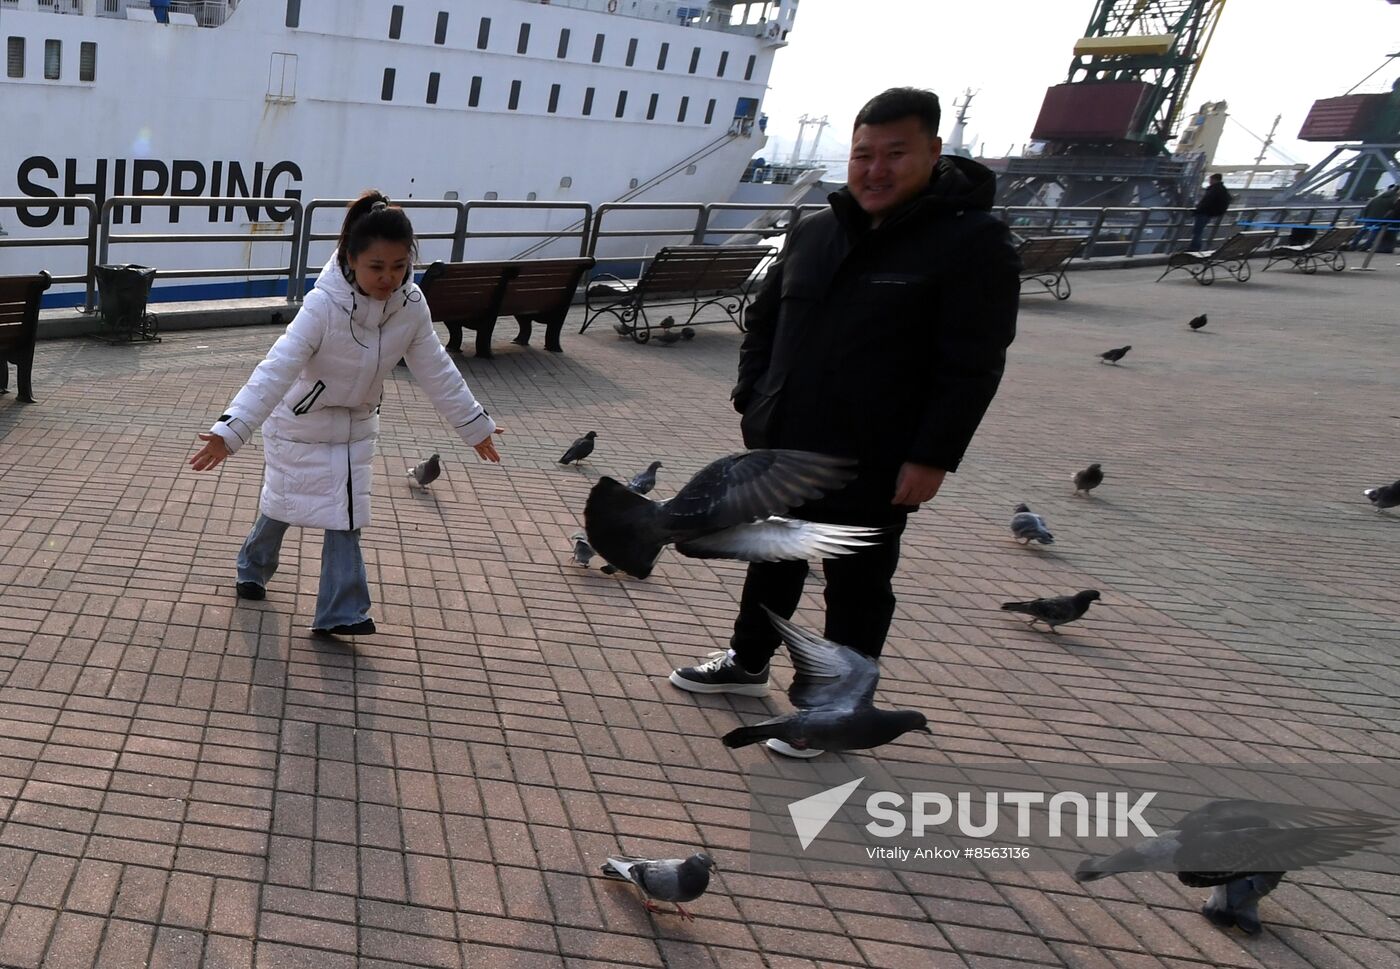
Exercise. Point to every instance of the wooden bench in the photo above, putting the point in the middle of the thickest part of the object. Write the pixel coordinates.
(1045, 260)
(19, 328)
(719, 276)
(1232, 255)
(1326, 249)
(475, 294)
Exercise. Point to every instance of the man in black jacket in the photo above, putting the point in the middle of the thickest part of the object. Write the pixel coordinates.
(880, 335)
(1215, 201)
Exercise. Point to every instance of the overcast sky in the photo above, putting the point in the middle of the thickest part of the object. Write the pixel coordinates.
(1268, 57)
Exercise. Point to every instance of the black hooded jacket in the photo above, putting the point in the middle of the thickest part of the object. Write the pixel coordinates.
(883, 344)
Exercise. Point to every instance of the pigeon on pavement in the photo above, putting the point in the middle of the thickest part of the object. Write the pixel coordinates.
(580, 449)
(673, 880)
(1027, 526)
(1116, 354)
(687, 333)
(668, 337)
(731, 509)
(426, 472)
(833, 689)
(583, 552)
(1055, 611)
(1386, 496)
(1087, 480)
(643, 481)
(1242, 849)
(1197, 322)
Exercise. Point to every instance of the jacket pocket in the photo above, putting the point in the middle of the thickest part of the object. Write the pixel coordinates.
(307, 402)
(759, 421)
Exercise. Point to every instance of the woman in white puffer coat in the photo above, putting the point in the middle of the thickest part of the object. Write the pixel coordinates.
(316, 397)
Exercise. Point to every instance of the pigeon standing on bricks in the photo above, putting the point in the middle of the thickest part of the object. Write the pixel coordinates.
(1386, 496)
(1029, 527)
(1087, 480)
(583, 552)
(580, 449)
(643, 481)
(426, 472)
(1197, 322)
(1116, 354)
(1054, 611)
(673, 880)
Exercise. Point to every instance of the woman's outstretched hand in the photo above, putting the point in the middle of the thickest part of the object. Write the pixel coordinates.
(214, 452)
(486, 450)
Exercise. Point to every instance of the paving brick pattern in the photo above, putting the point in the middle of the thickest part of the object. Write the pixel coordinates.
(189, 781)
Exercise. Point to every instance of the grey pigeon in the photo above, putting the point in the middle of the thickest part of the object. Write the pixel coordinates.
(687, 333)
(1386, 496)
(426, 472)
(583, 552)
(1116, 354)
(731, 509)
(1197, 322)
(1242, 849)
(1087, 480)
(673, 880)
(668, 337)
(1055, 611)
(580, 449)
(1029, 527)
(643, 481)
(833, 689)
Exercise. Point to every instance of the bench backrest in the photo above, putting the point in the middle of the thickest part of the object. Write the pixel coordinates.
(19, 308)
(686, 270)
(542, 285)
(1048, 253)
(1241, 245)
(465, 290)
(1334, 238)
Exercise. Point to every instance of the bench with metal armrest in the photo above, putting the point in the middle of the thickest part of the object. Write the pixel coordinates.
(1232, 255)
(19, 330)
(1046, 259)
(1325, 249)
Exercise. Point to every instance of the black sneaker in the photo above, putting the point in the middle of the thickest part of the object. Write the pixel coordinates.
(362, 628)
(251, 590)
(721, 674)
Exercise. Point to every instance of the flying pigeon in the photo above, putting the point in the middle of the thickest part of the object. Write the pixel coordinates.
(426, 472)
(1027, 526)
(1242, 849)
(731, 509)
(833, 688)
(1386, 496)
(1087, 480)
(1197, 322)
(643, 481)
(583, 552)
(673, 880)
(1116, 354)
(580, 449)
(1054, 611)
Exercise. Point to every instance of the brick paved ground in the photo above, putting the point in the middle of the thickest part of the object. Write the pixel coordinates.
(189, 782)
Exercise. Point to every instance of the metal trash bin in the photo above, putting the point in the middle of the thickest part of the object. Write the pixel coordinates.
(122, 295)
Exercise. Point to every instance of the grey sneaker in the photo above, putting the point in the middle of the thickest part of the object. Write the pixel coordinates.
(721, 674)
(788, 750)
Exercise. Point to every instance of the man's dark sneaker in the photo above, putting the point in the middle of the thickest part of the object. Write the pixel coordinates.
(721, 674)
(362, 628)
(251, 590)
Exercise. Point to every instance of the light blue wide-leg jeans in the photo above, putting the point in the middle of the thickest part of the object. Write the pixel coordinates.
(343, 599)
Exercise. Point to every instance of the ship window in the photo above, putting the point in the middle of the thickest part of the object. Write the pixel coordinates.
(523, 44)
(293, 13)
(87, 61)
(440, 37)
(563, 44)
(53, 59)
(14, 57)
(386, 92)
(690, 169)
(433, 79)
(514, 95)
(661, 58)
(395, 21)
(598, 49)
(685, 106)
(553, 98)
(483, 33)
(566, 182)
(531, 196)
(474, 98)
(588, 102)
(723, 62)
(450, 196)
(710, 111)
(748, 71)
(632, 183)
(651, 107)
(694, 60)
(621, 104)
(491, 196)
(632, 52)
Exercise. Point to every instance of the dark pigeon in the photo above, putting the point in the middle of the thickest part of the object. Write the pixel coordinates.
(1114, 355)
(643, 481)
(426, 472)
(1029, 527)
(833, 689)
(1197, 322)
(731, 509)
(1087, 480)
(1386, 496)
(673, 880)
(687, 333)
(668, 337)
(1242, 849)
(1054, 611)
(580, 449)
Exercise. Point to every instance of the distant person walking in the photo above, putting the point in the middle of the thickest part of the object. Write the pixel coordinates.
(1379, 207)
(1214, 203)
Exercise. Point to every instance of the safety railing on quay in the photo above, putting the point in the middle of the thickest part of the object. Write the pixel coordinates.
(578, 228)
(88, 242)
